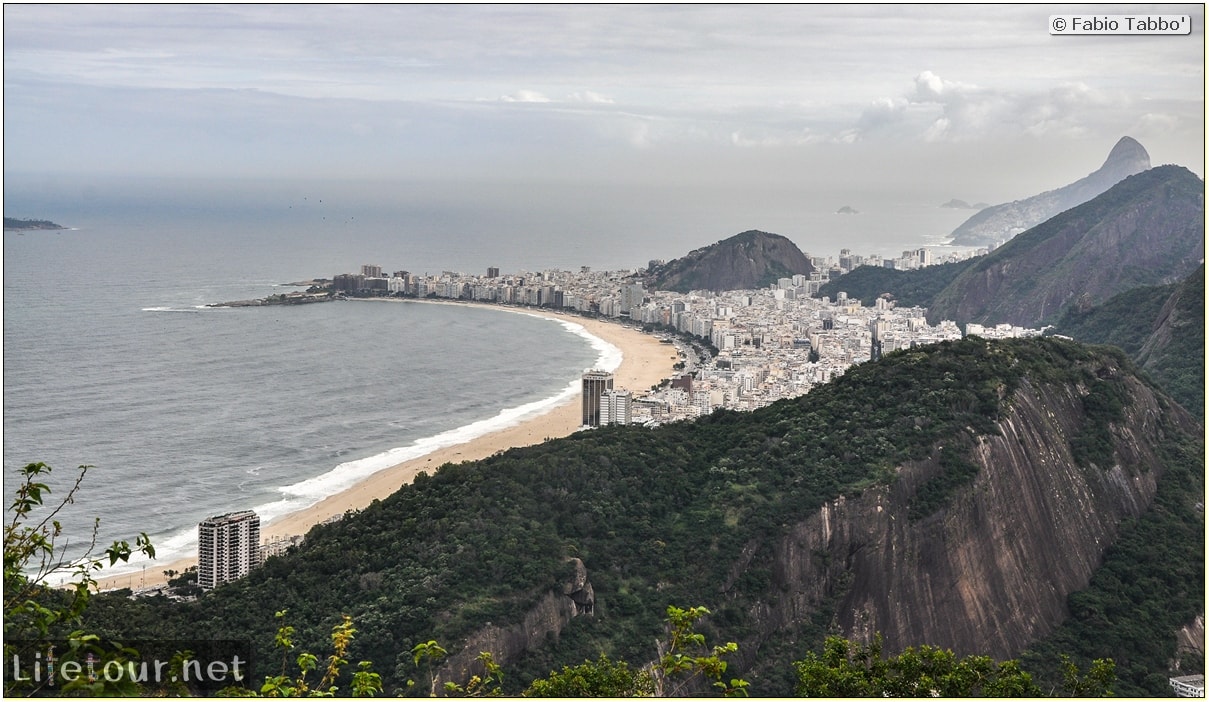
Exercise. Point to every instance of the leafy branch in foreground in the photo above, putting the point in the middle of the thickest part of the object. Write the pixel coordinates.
(33, 556)
(365, 682)
(36, 546)
(851, 669)
(677, 658)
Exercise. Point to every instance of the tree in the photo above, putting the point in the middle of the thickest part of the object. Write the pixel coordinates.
(851, 669)
(34, 610)
(676, 658)
(365, 682)
(600, 678)
(683, 662)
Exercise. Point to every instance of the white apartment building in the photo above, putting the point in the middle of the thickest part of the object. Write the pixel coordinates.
(615, 407)
(228, 548)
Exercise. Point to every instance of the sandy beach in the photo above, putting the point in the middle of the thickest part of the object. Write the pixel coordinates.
(645, 362)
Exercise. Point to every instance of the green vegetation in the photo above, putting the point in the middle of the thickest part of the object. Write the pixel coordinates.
(1160, 327)
(657, 516)
(364, 683)
(1103, 404)
(599, 678)
(915, 288)
(26, 224)
(685, 512)
(1125, 320)
(851, 669)
(34, 610)
(683, 667)
(957, 471)
(1151, 583)
(749, 260)
(1145, 230)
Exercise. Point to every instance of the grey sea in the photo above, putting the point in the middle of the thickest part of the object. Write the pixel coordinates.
(112, 359)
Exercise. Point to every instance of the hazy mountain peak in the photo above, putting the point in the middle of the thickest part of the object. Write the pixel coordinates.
(1128, 151)
(1002, 222)
(1126, 158)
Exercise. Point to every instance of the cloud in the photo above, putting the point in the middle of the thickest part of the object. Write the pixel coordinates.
(775, 139)
(882, 112)
(1157, 122)
(937, 109)
(591, 97)
(715, 77)
(524, 96)
(929, 87)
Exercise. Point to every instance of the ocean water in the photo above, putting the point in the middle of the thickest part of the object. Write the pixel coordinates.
(112, 359)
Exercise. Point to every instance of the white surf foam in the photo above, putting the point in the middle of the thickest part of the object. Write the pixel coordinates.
(303, 494)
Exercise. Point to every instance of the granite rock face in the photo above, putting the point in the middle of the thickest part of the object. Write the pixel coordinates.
(547, 618)
(990, 572)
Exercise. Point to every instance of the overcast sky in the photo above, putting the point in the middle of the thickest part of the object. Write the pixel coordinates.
(908, 95)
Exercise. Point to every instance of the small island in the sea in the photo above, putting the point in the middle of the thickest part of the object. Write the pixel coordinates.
(847, 210)
(30, 224)
(956, 204)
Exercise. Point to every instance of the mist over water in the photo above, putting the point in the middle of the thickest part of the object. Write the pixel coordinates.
(112, 359)
(323, 228)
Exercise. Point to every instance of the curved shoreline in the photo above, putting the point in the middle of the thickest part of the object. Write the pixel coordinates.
(644, 362)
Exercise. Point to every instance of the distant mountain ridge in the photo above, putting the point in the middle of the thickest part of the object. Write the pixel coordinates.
(1002, 222)
(1125, 269)
(1148, 229)
(746, 261)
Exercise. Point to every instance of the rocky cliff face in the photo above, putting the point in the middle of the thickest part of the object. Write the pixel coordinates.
(987, 571)
(548, 617)
(1182, 313)
(990, 572)
(1147, 230)
(752, 259)
(1002, 222)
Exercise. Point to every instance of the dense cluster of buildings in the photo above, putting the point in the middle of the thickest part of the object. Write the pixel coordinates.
(765, 345)
(773, 343)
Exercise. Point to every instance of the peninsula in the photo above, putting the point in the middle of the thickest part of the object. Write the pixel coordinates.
(21, 225)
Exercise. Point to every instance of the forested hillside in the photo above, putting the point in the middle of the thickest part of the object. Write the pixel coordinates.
(781, 521)
(748, 260)
(915, 288)
(1149, 229)
(1161, 327)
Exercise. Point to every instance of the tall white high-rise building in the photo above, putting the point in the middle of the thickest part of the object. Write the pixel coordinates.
(228, 548)
(615, 407)
(595, 383)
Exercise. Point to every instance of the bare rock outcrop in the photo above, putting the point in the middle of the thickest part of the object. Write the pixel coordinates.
(989, 572)
(548, 617)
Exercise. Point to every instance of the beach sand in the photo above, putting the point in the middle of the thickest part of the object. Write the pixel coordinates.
(645, 362)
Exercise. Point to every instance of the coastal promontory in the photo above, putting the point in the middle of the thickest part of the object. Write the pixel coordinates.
(749, 260)
(20, 225)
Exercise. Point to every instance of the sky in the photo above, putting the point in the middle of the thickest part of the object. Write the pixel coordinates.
(895, 98)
